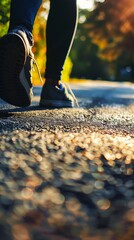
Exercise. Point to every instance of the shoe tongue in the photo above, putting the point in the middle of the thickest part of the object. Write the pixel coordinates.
(60, 86)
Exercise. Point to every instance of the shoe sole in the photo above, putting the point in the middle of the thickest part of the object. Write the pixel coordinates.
(56, 104)
(12, 60)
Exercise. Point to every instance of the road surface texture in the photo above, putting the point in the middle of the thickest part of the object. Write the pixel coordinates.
(68, 174)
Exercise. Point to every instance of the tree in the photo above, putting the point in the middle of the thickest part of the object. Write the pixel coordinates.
(110, 27)
(86, 63)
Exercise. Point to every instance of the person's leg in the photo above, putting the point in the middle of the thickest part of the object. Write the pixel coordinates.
(15, 53)
(23, 13)
(61, 26)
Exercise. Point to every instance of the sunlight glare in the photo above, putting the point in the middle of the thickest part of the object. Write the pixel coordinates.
(87, 4)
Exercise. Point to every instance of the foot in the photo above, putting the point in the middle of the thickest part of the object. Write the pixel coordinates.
(57, 96)
(15, 68)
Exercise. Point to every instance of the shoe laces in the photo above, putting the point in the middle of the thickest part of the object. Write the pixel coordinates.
(35, 67)
(72, 94)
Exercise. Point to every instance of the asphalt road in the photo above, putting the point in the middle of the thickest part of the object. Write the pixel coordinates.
(69, 173)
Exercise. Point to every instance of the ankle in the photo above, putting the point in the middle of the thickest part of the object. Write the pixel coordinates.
(53, 82)
(29, 35)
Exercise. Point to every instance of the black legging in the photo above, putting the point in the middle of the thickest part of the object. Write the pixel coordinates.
(60, 30)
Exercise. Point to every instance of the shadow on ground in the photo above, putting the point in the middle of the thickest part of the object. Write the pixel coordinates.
(68, 174)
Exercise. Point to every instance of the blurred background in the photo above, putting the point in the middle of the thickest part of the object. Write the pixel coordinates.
(104, 42)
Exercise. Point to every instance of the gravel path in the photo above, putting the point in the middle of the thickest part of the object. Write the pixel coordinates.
(69, 173)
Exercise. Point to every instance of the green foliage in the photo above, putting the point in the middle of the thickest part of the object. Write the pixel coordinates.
(110, 27)
(4, 16)
(84, 54)
(67, 69)
(104, 42)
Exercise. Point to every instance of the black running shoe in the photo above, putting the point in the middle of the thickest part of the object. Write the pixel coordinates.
(60, 96)
(16, 60)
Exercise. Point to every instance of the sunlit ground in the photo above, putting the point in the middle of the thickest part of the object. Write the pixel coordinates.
(81, 182)
(67, 174)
